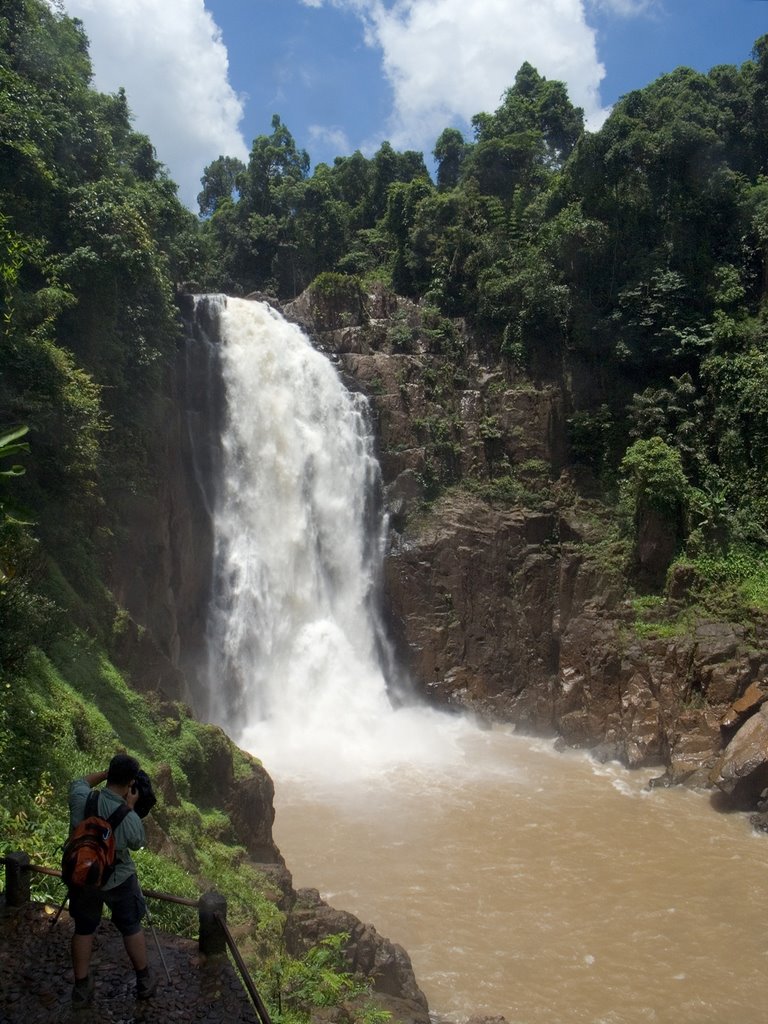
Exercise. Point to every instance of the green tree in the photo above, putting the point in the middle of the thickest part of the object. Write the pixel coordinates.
(274, 162)
(654, 499)
(449, 152)
(221, 180)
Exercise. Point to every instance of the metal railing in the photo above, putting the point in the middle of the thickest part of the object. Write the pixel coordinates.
(214, 938)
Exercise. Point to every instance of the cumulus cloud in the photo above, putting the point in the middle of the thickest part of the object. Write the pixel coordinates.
(449, 59)
(172, 61)
(331, 135)
(626, 8)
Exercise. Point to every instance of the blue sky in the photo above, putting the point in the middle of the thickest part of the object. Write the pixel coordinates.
(204, 77)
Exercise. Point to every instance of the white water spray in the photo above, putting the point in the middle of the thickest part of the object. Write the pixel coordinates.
(294, 640)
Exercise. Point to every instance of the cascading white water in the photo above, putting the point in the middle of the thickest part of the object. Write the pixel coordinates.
(294, 639)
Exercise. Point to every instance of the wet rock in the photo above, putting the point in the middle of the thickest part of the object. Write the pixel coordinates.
(329, 309)
(251, 811)
(212, 777)
(754, 696)
(270, 300)
(680, 581)
(695, 744)
(165, 787)
(36, 977)
(742, 772)
(655, 547)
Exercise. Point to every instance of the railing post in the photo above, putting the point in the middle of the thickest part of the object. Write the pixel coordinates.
(16, 879)
(212, 939)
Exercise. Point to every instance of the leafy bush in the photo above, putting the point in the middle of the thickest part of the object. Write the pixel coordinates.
(320, 978)
(733, 582)
(653, 478)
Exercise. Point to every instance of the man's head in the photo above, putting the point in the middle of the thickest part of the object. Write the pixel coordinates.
(122, 770)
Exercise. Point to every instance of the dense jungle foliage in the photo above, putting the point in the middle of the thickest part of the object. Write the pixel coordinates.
(629, 264)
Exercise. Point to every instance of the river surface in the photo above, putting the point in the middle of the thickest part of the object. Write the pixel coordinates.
(543, 886)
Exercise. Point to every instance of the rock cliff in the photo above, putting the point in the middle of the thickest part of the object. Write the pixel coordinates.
(506, 594)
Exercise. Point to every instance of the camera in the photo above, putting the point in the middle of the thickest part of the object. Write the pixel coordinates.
(147, 799)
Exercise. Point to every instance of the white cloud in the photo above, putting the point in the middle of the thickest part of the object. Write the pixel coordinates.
(626, 8)
(172, 61)
(332, 136)
(449, 59)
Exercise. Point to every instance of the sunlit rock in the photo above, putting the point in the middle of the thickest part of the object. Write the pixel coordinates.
(742, 772)
(753, 697)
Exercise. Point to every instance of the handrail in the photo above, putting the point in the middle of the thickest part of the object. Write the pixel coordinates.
(218, 917)
(244, 973)
(168, 897)
(183, 901)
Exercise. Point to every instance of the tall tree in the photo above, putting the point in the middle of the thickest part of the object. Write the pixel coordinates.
(221, 180)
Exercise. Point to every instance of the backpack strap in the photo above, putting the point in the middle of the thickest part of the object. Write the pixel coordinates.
(117, 815)
(92, 808)
(91, 804)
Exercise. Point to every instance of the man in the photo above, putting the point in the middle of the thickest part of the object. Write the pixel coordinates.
(121, 891)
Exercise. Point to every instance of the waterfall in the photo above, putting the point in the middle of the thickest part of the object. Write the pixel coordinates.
(294, 639)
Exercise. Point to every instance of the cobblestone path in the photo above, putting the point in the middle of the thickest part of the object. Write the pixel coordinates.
(36, 977)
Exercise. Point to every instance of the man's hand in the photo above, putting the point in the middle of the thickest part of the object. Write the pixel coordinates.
(95, 778)
(132, 796)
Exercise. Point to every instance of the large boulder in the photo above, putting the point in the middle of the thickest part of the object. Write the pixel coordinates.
(251, 811)
(742, 771)
(332, 302)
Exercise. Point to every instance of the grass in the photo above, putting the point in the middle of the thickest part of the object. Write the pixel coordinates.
(661, 630)
(740, 574)
(730, 586)
(656, 620)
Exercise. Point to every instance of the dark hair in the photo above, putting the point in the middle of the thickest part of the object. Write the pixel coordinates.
(122, 769)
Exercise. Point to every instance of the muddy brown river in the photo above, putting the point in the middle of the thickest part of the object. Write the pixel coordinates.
(542, 886)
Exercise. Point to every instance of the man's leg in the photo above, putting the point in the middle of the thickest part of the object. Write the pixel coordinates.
(85, 909)
(136, 948)
(82, 945)
(146, 981)
(128, 908)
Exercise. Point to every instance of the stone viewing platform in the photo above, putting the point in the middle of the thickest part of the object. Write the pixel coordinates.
(36, 976)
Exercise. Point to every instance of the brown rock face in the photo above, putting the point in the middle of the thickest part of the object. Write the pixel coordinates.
(252, 814)
(494, 611)
(161, 571)
(742, 771)
(507, 609)
(472, 597)
(657, 543)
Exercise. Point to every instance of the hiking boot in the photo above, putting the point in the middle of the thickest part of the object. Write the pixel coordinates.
(146, 985)
(82, 993)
